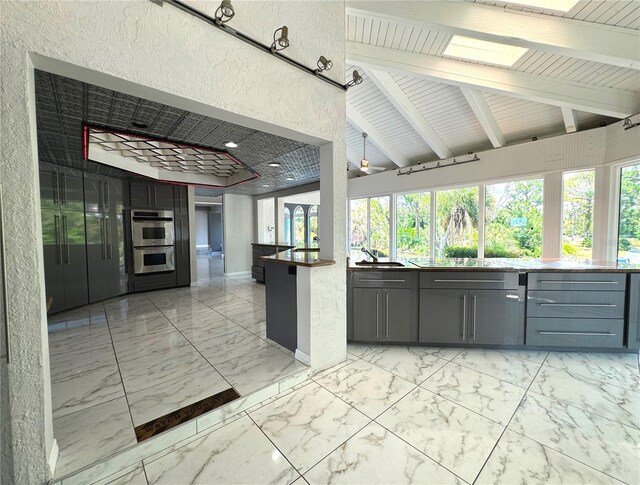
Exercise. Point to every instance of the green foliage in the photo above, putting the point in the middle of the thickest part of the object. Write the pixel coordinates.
(460, 252)
(456, 218)
(569, 249)
(629, 207)
(577, 224)
(412, 223)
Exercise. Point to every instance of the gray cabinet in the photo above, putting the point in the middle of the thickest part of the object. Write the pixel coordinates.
(104, 215)
(458, 308)
(576, 309)
(633, 336)
(383, 307)
(61, 188)
(443, 316)
(151, 195)
(65, 264)
(258, 250)
(182, 246)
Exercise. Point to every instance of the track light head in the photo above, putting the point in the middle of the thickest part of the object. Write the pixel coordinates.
(323, 64)
(224, 12)
(281, 42)
(355, 79)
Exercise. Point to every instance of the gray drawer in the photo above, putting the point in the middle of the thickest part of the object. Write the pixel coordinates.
(575, 304)
(382, 279)
(574, 332)
(578, 281)
(472, 280)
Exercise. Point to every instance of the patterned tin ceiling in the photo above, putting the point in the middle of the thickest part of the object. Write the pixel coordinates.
(64, 105)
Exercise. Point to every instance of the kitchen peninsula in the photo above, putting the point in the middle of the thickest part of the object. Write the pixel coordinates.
(514, 303)
(280, 271)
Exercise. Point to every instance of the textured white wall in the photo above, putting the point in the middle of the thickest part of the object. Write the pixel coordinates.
(238, 220)
(165, 55)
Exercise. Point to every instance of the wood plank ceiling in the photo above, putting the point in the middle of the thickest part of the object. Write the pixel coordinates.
(423, 105)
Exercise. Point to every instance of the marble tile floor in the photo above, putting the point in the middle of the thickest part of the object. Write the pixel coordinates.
(393, 415)
(121, 363)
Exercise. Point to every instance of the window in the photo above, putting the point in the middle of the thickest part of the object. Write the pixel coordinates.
(287, 225)
(369, 225)
(629, 221)
(577, 214)
(298, 226)
(457, 223)
(313, 223)
(513, 219)
(359, 230)
(413, 223)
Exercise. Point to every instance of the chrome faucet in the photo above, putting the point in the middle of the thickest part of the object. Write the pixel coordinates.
(366, 251)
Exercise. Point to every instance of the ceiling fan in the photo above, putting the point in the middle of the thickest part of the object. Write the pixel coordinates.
(364, 163)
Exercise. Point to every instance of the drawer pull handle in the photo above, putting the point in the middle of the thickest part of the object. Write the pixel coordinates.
(554, 282)
(591, 305)
(469, 281)
(383, 281)
(588, 334)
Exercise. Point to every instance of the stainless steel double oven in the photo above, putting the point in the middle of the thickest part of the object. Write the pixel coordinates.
(153, 241)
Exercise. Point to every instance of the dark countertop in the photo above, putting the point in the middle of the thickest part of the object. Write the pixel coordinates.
(500, 264)
(299, 257)
(274, 245)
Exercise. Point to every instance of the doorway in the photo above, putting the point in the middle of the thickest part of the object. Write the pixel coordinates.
(209, 237)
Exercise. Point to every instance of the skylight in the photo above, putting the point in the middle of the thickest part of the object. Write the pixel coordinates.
(560, 5)
(483, 51)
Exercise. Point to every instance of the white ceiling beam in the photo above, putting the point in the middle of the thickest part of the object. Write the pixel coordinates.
(570, 119)
(385, 146)
(407, 109)
(592, 99)
(583, 40)
(485, 117)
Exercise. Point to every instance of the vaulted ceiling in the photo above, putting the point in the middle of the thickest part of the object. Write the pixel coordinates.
(416, 104)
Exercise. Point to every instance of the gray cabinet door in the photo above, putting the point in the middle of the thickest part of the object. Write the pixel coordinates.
(141, 195)
(163, 196)
(180, 199)
(71, 189)
(183, 261)
(53, 262)
(97, 256)
(75, 259)
(496, 317)
(398, 315)
(49, 192)
(368, 314)
(443, 316)
(633, 338)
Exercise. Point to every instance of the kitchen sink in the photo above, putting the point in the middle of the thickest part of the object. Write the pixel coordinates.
(379, 263)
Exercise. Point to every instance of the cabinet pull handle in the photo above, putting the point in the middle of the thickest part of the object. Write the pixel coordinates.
(155, 196)
(554, 282)
(474, 317)
(107, 222)
(105, 196)
(464, 316)
(56, 195)
(377, 315)
(387, 314)
(382, 281)
(5, 300)
(468, 281)
(598, 334)
(591, 305)
(102, 245)
(100, 194)
(149, 195)
(56, 227)
(65, 239)
(64, 189)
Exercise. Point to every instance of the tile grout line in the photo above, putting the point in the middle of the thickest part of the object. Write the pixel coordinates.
(506, 427)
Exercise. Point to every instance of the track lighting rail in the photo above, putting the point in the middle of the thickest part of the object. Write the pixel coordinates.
(454, 162)
(255, 43)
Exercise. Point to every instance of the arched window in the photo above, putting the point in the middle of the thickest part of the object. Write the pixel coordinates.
(313, 223)
(298, 226)
(287, 225)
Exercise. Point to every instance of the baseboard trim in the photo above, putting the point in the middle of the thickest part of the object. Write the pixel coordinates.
(302, 357)
(53, 457)
(239, 273)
